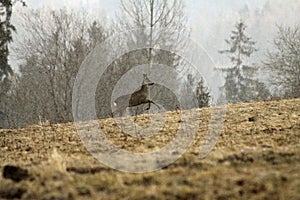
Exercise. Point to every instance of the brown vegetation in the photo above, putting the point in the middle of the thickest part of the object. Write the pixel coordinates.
(257, 157)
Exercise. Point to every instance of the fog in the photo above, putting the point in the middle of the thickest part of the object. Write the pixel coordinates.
(210, 22)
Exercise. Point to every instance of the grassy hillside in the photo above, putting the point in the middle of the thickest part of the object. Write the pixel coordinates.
(257, 157)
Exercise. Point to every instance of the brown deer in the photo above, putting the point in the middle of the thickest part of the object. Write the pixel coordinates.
(139, 97)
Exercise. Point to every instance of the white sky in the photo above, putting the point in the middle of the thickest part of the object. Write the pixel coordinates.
(211, 20)
(216, 18)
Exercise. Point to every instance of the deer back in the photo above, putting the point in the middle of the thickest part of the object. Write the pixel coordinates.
(140, 96)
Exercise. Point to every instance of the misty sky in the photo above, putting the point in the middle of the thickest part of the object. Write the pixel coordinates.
(210, 20)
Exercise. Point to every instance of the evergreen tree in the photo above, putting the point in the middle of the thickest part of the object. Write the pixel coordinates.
(6, 29)
(200, 90)
(240, 85)
(202, 94)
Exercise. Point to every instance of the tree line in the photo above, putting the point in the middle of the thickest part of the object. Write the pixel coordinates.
(56, 43)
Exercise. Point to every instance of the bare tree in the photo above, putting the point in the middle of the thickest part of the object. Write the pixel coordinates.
(163, 22)
(165, 19)
(284, 62)
(54, 45)
(160, 22)
(157, 22)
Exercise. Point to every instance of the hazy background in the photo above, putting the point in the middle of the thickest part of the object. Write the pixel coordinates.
(210, 21)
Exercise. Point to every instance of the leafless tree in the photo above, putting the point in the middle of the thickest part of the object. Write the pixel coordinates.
(51, 48)
(284, 62)
(160, 22)
(165, 19)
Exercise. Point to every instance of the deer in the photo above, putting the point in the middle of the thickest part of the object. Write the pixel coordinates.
(138, 97)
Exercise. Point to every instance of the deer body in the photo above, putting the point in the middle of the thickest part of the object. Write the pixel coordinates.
(139, 97)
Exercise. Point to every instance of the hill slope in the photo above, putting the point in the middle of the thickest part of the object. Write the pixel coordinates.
(257, 156)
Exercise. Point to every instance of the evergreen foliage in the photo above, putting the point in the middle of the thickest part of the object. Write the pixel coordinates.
(240, 84)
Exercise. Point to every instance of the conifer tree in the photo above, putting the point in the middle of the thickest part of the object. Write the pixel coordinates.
(6, 29)
(200, 90)
(240, 84)
(202, 94)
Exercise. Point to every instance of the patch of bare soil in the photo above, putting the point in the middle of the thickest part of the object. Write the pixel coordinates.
(256, 157)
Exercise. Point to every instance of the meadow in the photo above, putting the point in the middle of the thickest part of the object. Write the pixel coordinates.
(257, 156)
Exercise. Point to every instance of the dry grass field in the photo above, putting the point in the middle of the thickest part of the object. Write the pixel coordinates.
(257, 157)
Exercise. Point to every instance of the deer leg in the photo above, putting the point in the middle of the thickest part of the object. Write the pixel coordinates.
(115, 112)
(154, 104)
(135, 116)
(149, 104)
(119, 111)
